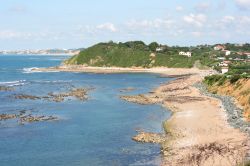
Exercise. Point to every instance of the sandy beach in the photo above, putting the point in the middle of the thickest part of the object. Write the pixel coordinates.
(198, 129)
(198, 132)
(160, 70)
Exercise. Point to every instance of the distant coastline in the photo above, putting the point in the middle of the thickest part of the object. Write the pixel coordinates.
(38, 54)
(69, 52)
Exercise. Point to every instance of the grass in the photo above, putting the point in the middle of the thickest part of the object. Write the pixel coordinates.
(247, 163)
(137, 54)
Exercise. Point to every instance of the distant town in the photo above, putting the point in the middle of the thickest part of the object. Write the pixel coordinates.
(42, 52)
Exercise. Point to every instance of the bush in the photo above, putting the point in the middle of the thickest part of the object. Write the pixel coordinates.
(210, 80)
(234, 78)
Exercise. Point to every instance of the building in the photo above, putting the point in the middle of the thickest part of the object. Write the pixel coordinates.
(227, 52)
(221, 58)
(219, 47)
(247, 54)
(159, 49)
(188, 54)
(224, 64)
(224, 70)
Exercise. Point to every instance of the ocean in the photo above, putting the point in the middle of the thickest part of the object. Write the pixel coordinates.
(94, 132)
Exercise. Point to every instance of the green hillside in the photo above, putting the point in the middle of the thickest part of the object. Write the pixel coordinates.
(138, 54)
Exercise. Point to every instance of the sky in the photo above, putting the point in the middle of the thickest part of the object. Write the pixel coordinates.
(33, 24)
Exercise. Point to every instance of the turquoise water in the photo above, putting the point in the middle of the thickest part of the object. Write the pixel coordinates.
(93, 132)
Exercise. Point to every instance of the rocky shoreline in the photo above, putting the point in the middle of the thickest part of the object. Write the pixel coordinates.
(138, 99)
(197, 133)
(234, 114)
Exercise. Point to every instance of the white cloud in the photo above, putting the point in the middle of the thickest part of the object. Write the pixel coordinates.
(9, 34)
(197, 34)
(197, 20)
(149, 24)
(18, 9)
(244, 20)
(179, 8)
(243, 4)
(40, 35)
(203, 6)
(228, 19)
(107, 26)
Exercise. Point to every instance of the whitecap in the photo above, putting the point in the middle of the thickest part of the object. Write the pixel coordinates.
(53, 82)
(30, 70)
(14, 83)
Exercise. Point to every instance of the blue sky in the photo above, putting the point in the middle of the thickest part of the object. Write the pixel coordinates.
(30, 24)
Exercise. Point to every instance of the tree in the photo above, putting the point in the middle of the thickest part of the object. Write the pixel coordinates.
(152, 46)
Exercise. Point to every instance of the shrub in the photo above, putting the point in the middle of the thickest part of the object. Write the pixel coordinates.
(210, 80)
(234, 78)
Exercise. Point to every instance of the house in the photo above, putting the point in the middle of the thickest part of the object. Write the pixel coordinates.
(227, 52)
(221, 58)
(224, 70)
(238, 59)
(247, 54)
(224, 64)
(159, 49)
(240, 53)
(188, 54)
(244, 54)
(219, 47)
(239, 45)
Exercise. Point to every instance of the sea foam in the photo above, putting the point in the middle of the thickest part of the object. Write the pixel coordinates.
(14, 83)
(30, 70)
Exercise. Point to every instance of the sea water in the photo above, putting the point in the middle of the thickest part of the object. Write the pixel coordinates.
(88, 133)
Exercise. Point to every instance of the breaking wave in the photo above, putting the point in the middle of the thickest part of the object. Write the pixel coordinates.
(14, 83)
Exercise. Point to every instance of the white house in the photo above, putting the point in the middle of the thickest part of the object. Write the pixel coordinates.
(219, 47)
(224, 70)
(221, 58)
(158, 49)
(224, 64)
(227, 52)
(188, 54)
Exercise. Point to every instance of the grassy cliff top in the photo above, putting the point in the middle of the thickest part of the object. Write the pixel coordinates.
(138, 54)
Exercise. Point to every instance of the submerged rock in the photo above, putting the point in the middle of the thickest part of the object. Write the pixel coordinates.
(129, 89)
(5, 88)
(139, 99)
(145, 137)
(24, 96)
(7, 116)
(31, 118)
(80, 94)
(23, 117)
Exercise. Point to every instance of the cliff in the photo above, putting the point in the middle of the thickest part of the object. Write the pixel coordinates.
(239, 89)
